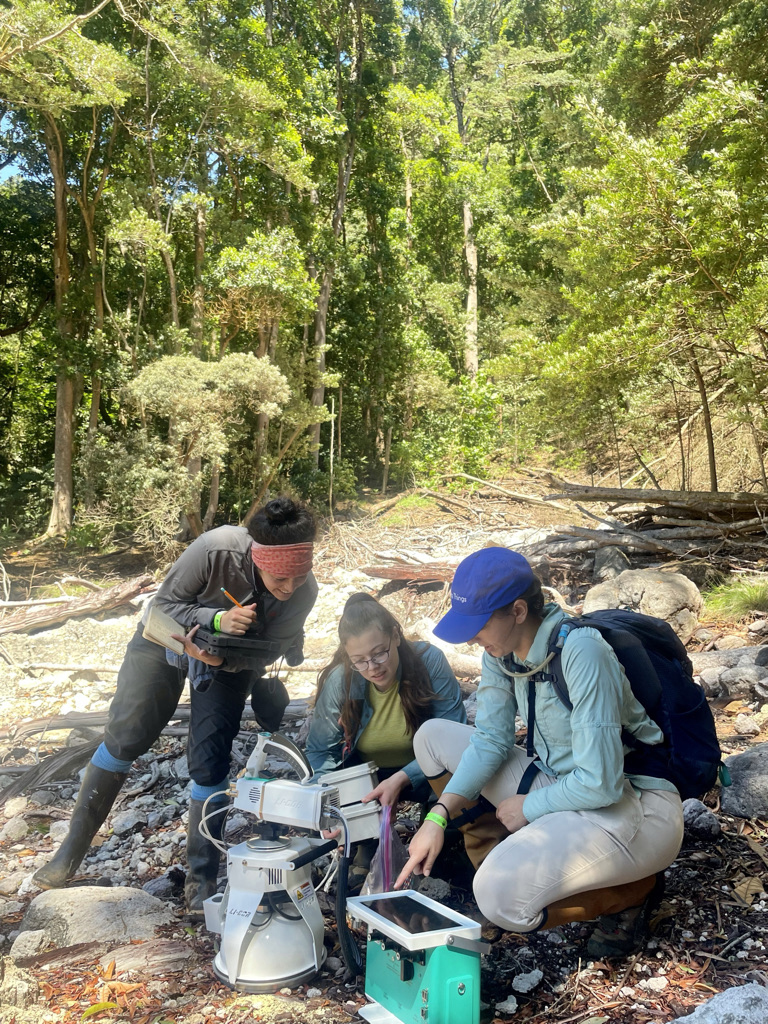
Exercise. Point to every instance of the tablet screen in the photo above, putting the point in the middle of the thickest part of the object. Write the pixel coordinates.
(409, 914)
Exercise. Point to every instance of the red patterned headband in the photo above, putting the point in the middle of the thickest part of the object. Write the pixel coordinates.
(286, 560)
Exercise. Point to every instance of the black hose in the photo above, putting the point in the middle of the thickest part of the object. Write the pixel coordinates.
(276, 907)
(349, 951)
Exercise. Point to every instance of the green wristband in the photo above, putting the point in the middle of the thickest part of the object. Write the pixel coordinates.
(217, 621)
(437, 818)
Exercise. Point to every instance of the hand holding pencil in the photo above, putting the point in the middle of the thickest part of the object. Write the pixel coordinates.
(239, 618)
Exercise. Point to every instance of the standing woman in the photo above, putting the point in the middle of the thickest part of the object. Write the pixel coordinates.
(373, 696)
(267, 567)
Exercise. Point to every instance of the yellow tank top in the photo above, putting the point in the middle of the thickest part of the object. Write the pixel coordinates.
(386, 739)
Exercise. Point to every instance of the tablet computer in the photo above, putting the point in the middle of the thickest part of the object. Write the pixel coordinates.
(221, 645)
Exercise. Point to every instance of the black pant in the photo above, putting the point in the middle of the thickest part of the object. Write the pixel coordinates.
(148, 690)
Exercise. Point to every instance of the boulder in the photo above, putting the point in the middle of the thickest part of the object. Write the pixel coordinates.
(17, 987)
(9, 907)
(729, 642)
(124, 823)
(42, 797)
(57, 830)
(610, 562)
(745, 725)
(739, 681)
(28, 944)
(181, 768)
(748, 796)
(665, 595)
(527, 982)
(699, 570)
(92, 913)
(744, 1004)
(14, 829)
(16, 805)
(757, 656)
(10, 883)
(435, 888)
(699, 820)
(710, 681)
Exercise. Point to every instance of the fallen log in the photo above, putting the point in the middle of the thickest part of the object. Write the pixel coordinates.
(66, 762)
(296, 710)
(62, 764)
(103, 600)
(527, 499)
(44, 666)
(703, 502)
(431, 572)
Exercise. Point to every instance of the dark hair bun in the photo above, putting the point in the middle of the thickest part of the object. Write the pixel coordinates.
(282, 521)
(281, 510)
(354, 599)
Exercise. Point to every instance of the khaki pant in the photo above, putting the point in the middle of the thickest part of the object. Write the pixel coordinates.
(560, 854)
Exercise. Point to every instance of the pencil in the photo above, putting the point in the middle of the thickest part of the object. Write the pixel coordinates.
(233, 599)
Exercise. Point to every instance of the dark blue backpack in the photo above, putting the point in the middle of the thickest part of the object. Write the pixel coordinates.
(661, 677)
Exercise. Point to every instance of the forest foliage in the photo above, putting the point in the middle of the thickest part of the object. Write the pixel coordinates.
(321, 246)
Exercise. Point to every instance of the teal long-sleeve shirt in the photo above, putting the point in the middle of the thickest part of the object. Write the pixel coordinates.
(581, 749)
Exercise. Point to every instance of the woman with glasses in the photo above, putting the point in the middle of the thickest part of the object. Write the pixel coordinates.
(372, 697)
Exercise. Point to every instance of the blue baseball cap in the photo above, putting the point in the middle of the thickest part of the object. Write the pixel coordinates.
(484, 581)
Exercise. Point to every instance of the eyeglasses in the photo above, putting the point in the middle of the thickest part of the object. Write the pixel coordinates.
(375, 659)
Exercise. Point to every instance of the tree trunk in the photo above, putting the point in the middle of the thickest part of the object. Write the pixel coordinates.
(173, 291)
(387, 449)
(343, 176)
(707, 417)
(155, 192)
(470, 247)
(60, 521)
(198, 294)
(93, 415)
(213, 497)
(470, 252)
(318, 391)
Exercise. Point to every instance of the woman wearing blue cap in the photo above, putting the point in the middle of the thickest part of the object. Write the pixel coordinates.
(581, 840)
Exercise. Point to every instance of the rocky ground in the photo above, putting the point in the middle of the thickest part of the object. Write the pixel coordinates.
(709, 935)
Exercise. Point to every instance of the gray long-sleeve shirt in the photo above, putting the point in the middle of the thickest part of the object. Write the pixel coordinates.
(191, 592)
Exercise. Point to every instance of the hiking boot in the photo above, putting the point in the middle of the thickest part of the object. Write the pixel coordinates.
(203, 856)
(98, 791)
(626, 932)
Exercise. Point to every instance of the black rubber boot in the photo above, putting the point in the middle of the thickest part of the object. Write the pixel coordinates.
(94, 801)
(203, 857)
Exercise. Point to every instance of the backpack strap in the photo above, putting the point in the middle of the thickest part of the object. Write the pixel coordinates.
(532, 675)
(557, 676)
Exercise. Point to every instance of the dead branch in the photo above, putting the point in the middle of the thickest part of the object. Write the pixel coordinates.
(527, 499)
(703, 502)
(60, 765)
(383, 506)
(431, 572)
(43, 666)
(78, 581)
(38, 618)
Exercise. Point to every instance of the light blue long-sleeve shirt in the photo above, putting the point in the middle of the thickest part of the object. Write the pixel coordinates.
(582, 749)
(325, 743)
